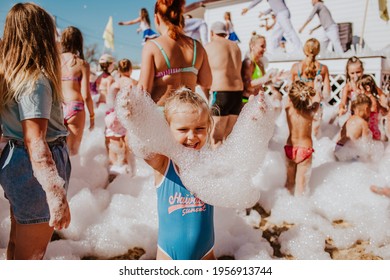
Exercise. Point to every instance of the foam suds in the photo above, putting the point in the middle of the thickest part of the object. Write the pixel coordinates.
(339, 207)
(45, 171)
(213, 175)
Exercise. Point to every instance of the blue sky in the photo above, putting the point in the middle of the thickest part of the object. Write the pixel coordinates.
(91, 17)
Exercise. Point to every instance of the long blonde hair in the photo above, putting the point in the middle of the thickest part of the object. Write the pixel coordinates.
(311, 50)
(28, 50)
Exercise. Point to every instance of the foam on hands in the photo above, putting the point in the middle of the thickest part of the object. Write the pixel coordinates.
(45, 171)
(221, 177)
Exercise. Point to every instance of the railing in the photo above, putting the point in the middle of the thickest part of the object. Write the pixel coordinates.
(373, 66)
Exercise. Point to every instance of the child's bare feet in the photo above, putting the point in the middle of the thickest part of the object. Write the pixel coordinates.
(381, 191)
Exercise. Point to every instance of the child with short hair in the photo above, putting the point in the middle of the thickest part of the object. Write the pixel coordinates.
(175, 146)
(302, 104)
(356, 127)
(186, 223)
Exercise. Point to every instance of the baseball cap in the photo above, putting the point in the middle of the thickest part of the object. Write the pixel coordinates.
(218, 28)
(106, 58)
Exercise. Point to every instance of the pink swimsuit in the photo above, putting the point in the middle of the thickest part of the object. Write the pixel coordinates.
(71, 108)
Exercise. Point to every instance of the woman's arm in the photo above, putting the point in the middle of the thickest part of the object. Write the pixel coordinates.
(314, 29)
(383, 101)
(294, 72)
(366, 132)
(205, 78)
(246, 74)
(344, 99)
(313, 12)
(147, 74)
(130, 22)
(45, 171)
(86, 93)
(326, 89)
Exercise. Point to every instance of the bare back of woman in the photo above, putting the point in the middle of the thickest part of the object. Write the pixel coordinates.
(173, 64)
(75, 87)
(173, 59)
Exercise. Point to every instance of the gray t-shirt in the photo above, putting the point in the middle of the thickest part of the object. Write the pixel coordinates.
(35, 103)
(324, 15)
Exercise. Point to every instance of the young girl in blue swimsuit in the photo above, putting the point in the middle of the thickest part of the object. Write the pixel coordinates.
(186, 223)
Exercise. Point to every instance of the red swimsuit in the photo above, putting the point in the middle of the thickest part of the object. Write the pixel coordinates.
(297, 154)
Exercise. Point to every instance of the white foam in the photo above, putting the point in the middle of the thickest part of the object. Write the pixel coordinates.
(221, 177)
(123, 213)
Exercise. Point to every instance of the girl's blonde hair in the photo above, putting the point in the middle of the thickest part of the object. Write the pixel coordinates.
(360, 100)
(254, 38)
(171, 11)
(311, 50)
(300, 95)
(182, 96)
(28, 50)
(228, 15)
(352, 60)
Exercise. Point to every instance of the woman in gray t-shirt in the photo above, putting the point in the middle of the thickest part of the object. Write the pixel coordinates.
(34, 165)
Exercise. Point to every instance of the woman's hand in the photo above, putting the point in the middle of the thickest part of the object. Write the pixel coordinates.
(91, 122)
(59, 207)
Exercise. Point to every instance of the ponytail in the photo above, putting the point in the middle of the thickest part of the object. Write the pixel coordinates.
(171, 12)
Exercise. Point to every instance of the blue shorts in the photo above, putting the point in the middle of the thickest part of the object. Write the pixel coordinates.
(25, 195)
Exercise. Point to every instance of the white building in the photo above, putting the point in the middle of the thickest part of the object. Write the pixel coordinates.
(376, 32)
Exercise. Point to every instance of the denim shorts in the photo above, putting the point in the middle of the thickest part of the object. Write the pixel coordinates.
(25, 195)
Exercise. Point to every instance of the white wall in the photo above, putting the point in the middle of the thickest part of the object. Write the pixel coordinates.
(377, 31)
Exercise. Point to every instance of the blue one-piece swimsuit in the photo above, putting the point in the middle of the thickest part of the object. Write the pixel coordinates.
(186, 224)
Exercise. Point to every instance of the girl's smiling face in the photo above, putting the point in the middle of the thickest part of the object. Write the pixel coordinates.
(259, 47)
(189, 126)
(355, 71)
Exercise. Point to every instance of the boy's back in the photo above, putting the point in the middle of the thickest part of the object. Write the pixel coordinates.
(357, 127)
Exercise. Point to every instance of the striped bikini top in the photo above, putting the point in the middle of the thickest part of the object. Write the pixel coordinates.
(170, 70)
(306, 80)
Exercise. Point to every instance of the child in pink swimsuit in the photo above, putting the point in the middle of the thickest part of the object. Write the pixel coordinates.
(300, 111)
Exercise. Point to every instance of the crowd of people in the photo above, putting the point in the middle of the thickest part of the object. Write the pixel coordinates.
(44, 90)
